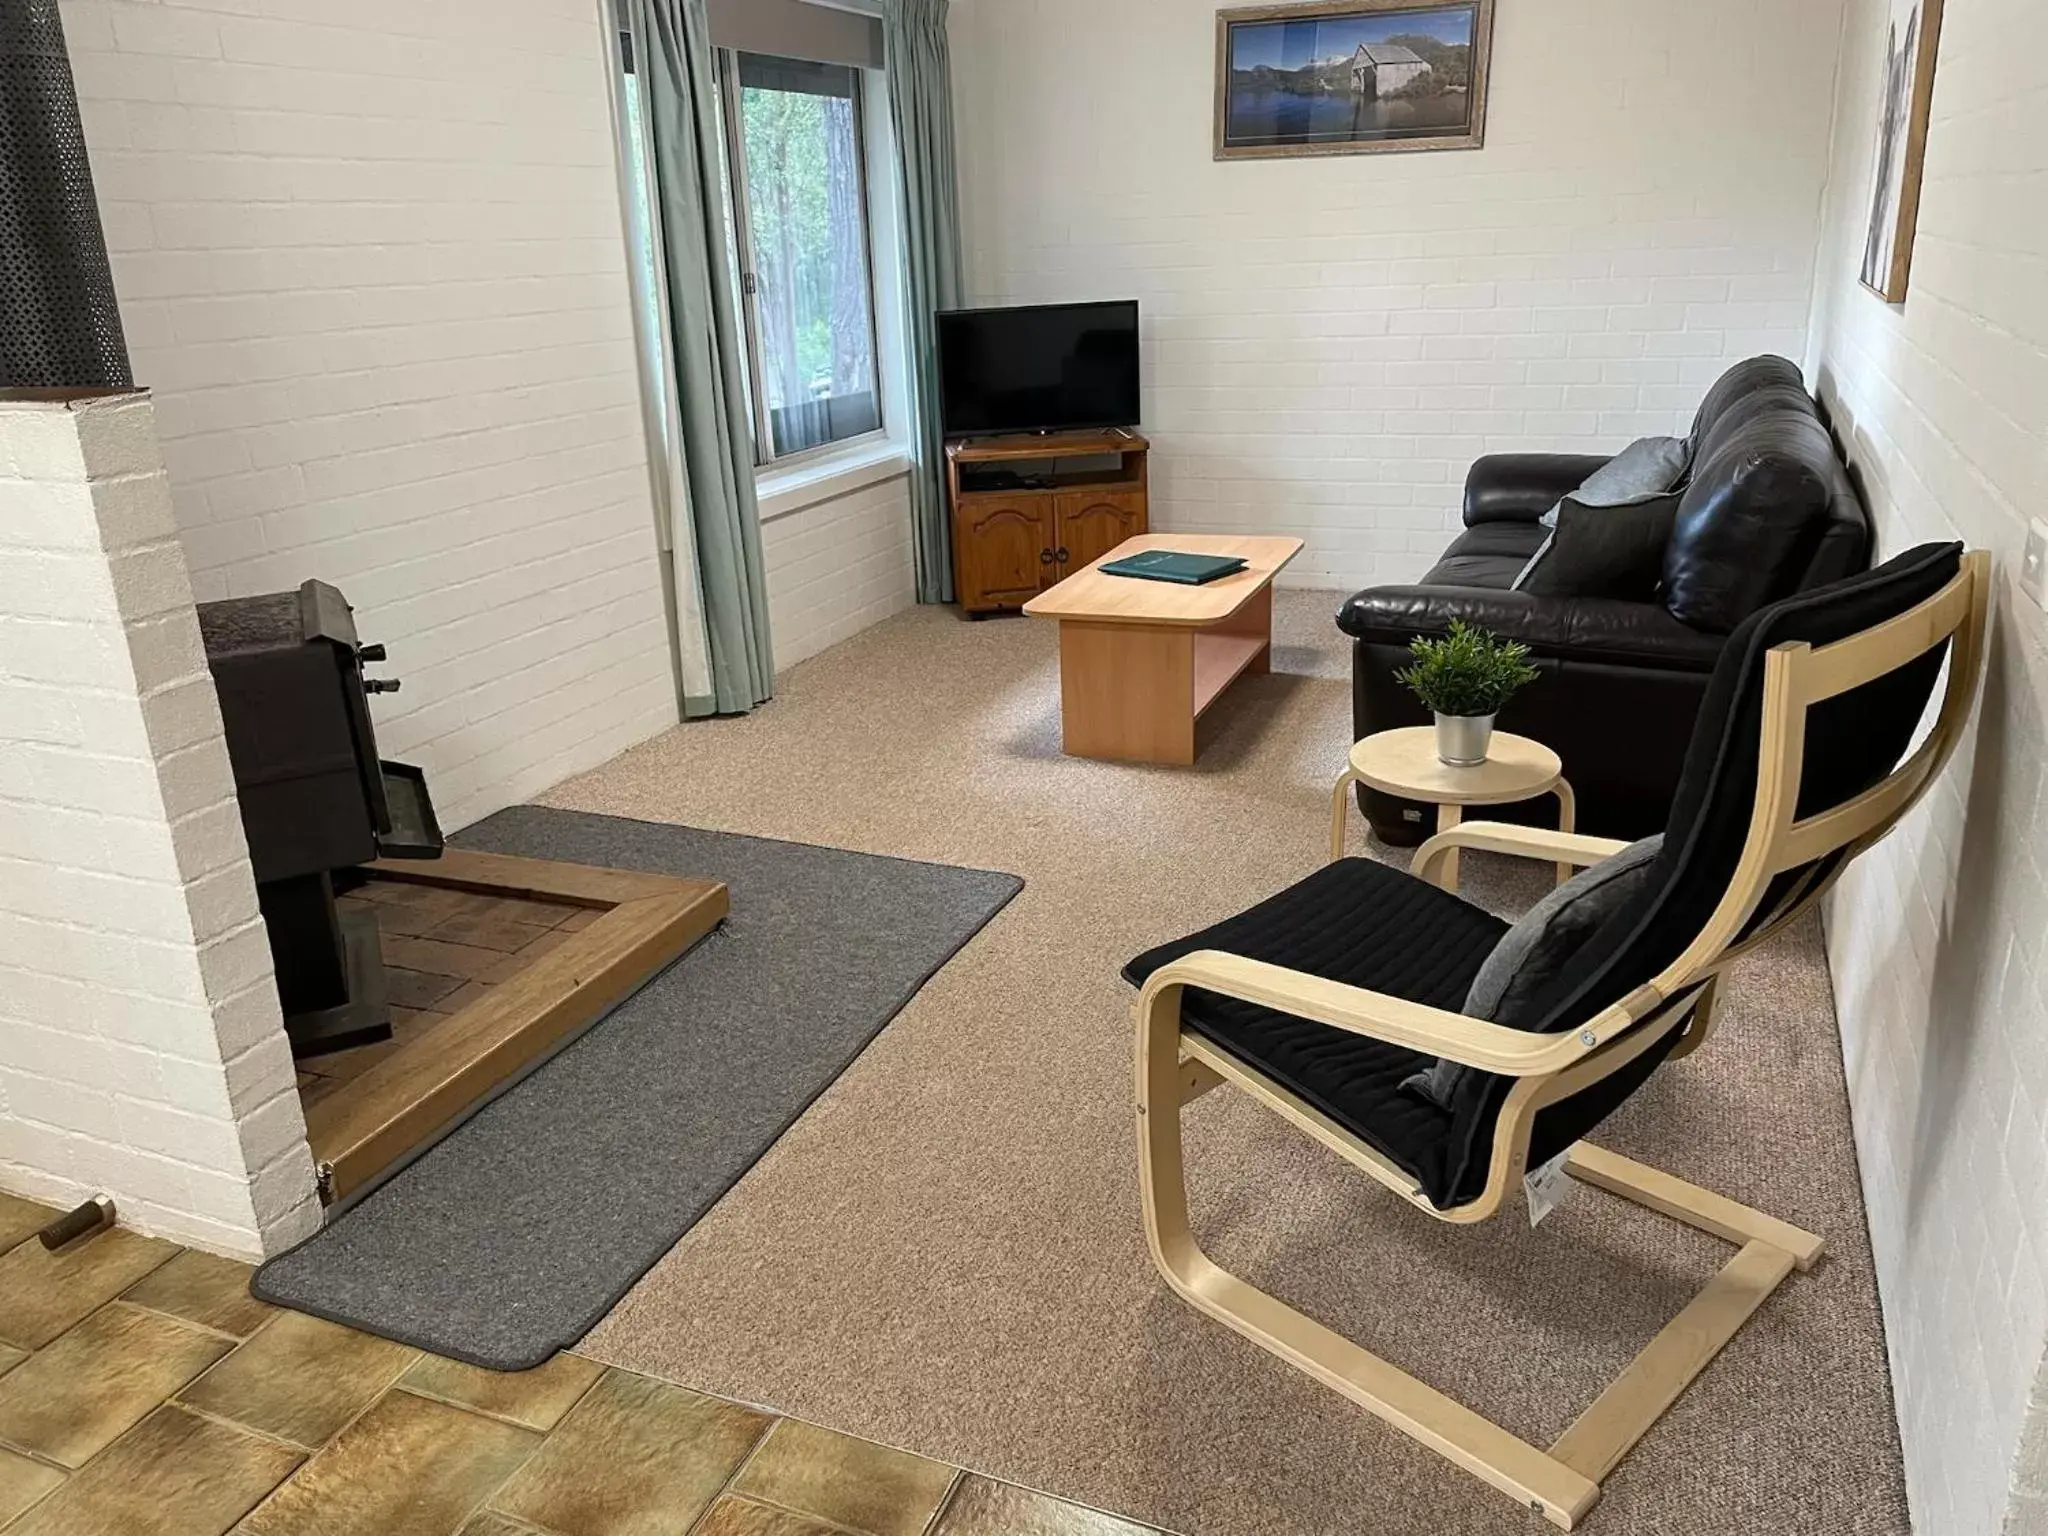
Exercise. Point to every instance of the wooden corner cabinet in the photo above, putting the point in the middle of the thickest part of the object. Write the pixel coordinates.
(1030, 510)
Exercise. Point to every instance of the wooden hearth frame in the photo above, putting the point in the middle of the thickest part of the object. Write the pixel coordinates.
(364, 1126)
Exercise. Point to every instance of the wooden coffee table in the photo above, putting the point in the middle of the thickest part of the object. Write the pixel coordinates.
(1141, 660)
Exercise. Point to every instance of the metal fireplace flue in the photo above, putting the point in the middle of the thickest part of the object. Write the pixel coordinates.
(60, 329)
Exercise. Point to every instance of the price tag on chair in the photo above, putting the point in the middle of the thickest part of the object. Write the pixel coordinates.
(1545, 1186)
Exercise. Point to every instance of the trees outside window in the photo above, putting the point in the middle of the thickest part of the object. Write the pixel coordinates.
(794, 134)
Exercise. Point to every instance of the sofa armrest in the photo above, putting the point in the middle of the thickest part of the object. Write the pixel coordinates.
(1601, 629)
(1521, 487)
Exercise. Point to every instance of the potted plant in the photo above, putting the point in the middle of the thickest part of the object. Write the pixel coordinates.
(1465, 678)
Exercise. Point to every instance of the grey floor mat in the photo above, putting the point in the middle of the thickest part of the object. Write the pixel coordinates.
(510, 1237)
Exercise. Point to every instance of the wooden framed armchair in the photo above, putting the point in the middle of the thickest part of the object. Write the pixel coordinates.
(1322, 1002)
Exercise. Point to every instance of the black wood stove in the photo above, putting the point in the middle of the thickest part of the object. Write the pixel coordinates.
(315, 799)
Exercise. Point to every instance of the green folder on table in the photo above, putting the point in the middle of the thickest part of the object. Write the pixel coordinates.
(1166, 565)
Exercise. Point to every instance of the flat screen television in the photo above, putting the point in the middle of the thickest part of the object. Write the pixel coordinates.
(1040, 368)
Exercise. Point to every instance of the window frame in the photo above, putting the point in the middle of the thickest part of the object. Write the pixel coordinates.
(740, 221)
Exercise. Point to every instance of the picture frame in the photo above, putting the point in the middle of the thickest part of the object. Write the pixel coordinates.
(1905, 103)
(1350, 77)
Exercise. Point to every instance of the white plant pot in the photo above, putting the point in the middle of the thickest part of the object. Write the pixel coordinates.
(1462, 740)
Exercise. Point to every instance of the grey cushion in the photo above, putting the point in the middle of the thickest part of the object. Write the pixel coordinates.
(1612, 551)
(1531, 954)
(1648, 466)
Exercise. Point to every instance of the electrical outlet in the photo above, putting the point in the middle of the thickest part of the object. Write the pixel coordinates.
(2034, 566)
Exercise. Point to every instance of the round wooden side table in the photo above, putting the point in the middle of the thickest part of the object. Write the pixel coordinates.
(1405, 763)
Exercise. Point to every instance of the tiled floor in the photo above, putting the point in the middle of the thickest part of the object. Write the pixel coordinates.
(144, 1392)
(443, 950)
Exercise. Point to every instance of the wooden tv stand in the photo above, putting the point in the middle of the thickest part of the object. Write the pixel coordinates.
(1011, 543)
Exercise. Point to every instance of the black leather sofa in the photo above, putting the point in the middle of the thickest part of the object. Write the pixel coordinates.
(1768, 510)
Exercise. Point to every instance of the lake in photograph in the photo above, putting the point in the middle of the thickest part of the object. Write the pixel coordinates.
(1269, 116)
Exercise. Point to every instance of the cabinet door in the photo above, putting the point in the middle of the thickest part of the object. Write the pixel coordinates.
(1004, 552)
(1092, 523)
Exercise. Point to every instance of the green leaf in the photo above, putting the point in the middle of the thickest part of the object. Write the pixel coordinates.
(1470, 671)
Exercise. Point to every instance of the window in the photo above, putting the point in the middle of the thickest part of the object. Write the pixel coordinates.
(799, 228)
(640, 228)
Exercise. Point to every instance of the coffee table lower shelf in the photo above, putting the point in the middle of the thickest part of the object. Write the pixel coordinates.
(1132, 693)
(1221, 660)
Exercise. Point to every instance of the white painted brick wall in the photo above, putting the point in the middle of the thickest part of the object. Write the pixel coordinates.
(1939, 939)
(141, 1048)
(370, 260)
(837, 566)
(1330, 342)
(2028, 1515)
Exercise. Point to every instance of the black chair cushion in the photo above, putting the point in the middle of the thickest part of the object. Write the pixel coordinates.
(1375, 927)
(1367, 925)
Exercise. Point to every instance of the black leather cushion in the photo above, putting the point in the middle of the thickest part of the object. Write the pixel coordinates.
(1746, 529)
(1767, 491)
(1368, 925)
(1490, 555)
(1612, 551)
(1739, 383)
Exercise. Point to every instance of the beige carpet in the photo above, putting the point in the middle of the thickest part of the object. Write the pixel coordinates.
(944, 1253)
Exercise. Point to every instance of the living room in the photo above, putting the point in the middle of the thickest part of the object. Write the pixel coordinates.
(737, 1134)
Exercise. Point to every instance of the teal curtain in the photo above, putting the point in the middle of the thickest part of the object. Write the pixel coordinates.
(678, 81)
(920, 71)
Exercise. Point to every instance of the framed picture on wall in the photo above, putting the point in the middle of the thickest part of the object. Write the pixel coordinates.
(1350, 77)
(1911, 42)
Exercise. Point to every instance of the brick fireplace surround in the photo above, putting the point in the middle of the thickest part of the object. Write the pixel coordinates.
(142, 1052)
